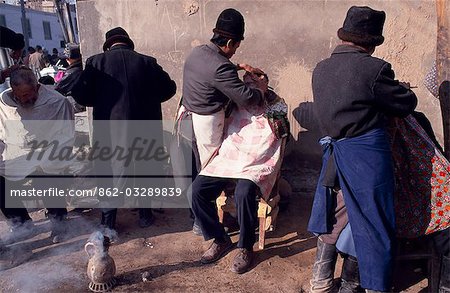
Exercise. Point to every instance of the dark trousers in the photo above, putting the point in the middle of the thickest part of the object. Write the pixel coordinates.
(109, 205)
(109, 216)
(205, 190)
(19, 214)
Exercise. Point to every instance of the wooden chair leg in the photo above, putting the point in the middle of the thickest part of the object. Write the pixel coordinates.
(262, 216)
(262, 233)
(220, 213)
(220, 202)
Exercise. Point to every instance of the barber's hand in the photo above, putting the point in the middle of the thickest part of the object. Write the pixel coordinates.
(250, 69)
(262, 83)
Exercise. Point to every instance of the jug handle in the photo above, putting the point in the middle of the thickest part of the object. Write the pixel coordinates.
(90, 249)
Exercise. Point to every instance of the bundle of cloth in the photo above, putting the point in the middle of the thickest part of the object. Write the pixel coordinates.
(422, 174)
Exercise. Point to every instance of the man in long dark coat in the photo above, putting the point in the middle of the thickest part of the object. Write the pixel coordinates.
(121, 84)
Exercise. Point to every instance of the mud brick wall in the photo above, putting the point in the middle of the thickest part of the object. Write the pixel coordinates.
(284, 38)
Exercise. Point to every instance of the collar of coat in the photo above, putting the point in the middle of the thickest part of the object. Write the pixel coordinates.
(117, 47)
(75, 64)
(341, 49)
(216, 48)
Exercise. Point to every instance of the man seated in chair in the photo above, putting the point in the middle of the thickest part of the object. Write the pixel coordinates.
(251, 155)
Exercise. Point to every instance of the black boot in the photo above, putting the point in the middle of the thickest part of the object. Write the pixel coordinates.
(444, 282)
(323, 269)
(57, 218)
(350, 275)
(145, 218)
(58, 233)
(109, 218)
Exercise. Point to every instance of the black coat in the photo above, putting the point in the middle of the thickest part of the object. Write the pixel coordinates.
(122, 84)
(355, 92)
(69, 80)
(10, 39)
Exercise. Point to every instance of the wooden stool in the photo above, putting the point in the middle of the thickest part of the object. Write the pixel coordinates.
(267, 213)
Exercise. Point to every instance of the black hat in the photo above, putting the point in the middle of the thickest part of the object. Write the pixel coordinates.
(18, 42)
(117, 35)
(72, 51)
(363, 26)
(230, 24)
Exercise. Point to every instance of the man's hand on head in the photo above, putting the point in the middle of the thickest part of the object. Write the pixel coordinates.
(262, 83)
(258, 81)
(248, 68)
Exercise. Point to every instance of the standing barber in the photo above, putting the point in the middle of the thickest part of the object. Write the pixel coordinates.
(210, 82)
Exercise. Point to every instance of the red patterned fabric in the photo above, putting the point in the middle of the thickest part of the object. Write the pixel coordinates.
(422, 173)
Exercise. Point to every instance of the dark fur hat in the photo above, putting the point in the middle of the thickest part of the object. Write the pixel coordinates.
(363, 26)
(230, 24)
(116, 35)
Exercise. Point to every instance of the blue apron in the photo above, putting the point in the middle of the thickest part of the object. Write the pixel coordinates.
(364, 170)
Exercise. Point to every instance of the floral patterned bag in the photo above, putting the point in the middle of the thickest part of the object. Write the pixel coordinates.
(422, 174)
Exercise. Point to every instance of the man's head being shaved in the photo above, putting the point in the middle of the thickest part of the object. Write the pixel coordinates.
(24, 87)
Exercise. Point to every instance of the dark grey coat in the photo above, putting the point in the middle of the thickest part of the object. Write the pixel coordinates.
(355, 92)
(210, 80)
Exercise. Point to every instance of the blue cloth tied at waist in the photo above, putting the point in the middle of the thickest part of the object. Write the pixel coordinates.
(363, 169)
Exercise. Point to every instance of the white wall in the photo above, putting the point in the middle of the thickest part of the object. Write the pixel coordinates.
(13, 21)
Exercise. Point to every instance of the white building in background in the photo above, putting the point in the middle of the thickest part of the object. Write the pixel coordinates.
(42, 5)
(44, 28)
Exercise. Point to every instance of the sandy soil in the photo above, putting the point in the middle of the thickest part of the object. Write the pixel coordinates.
(172, 259)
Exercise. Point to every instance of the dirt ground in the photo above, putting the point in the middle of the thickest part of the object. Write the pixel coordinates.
(172, 258)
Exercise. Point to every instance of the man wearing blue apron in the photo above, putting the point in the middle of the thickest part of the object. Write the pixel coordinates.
(354, 93)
